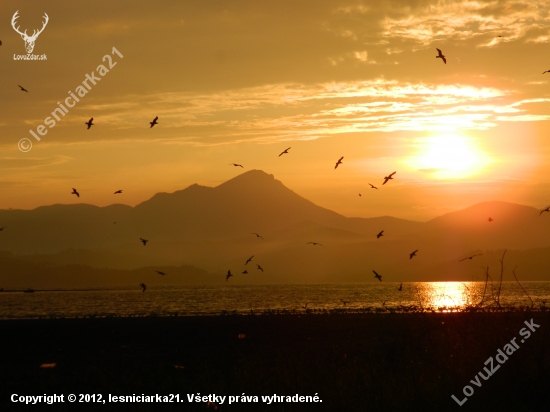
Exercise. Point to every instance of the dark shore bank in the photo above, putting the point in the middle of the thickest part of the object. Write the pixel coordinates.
(353, 362)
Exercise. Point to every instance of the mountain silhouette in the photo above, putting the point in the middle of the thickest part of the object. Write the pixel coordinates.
(211, 228)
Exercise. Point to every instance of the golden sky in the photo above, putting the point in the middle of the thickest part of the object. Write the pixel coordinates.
(240, 81)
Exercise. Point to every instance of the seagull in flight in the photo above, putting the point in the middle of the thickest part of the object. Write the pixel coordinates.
(380, 234)
(2, 228)
(440, 56)
(160, 273)
(305, 306)
(23, 89)
(470, 257)
(547, 71)
(245, 272)
(118, 191)
(74, 192)
(144, 241)
(258, 235)
(545, 210)
(377, 276)
(400, 288)
(236, 165)
(339, 162)
(285, 151)
(388, 177)
(413, 254)
(143, 286)
(228, 275)
(249, 259)
(491, 219)
(259, 267)
(154, 122)
(343, 302)
(314, 243)
(89, 123)
(373, 187)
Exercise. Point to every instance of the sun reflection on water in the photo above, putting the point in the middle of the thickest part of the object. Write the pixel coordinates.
(447, 296)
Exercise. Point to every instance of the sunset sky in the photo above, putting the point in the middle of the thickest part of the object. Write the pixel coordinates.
(240, 81)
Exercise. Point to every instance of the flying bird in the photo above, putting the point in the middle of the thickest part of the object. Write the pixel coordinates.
(343, 302)
(388, 177)
(359, 194)
(257, 235)
(314, 243)
(380, 234)
(74, 192)
(228, 275)
(89, 123)
(118, 191)
(377, 276)
(491, 219)
(373, 187)
(249, 259)
(339, 162)
(413, 254)
(305, 306)
(160, 273)
(154, 122)
(144, 241)
(285, 151)
(440, 56)
(470, 257)
(2, 228)
(545, 210)
(547, 71)
(23, 89)
(259, 267)
(400, 288)
(236, 165)
(143, 286)
(245, 272)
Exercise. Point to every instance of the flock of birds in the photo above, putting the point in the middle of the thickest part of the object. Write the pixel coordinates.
(339, 162)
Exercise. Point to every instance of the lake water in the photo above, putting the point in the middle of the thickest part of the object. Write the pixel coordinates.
(196, 300)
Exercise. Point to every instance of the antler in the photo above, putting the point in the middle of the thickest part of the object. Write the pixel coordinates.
(15, 17)
(35, 33)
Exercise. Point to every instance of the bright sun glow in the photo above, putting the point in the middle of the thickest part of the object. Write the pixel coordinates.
(450, 156)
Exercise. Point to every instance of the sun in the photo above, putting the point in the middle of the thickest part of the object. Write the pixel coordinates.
(450, 156)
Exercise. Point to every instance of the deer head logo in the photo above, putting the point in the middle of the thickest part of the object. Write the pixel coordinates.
(29, 40)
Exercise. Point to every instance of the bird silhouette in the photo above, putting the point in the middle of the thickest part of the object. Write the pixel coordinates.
(545, 210)
(89, 123)
(470, 257)
(343, 302)
(249, 259)
(440, 56)
(118, 191)
(305, 306)
(143, 286)
(377, 276)
(23, 89)
(388, 177)
(245, 272)
(359, 194)
(259, 267)
(373, 187)
(257, 235)
(75, 192)
(236, 165)
(314, 243)
(160, 273)
(339, 162)
(285, 151)
(154, 122)
(144, 241)
(400, 288)
(380, 234)
(547, 71)
(413, 254)
(228, 275)
(2, 228)
(491, 219)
